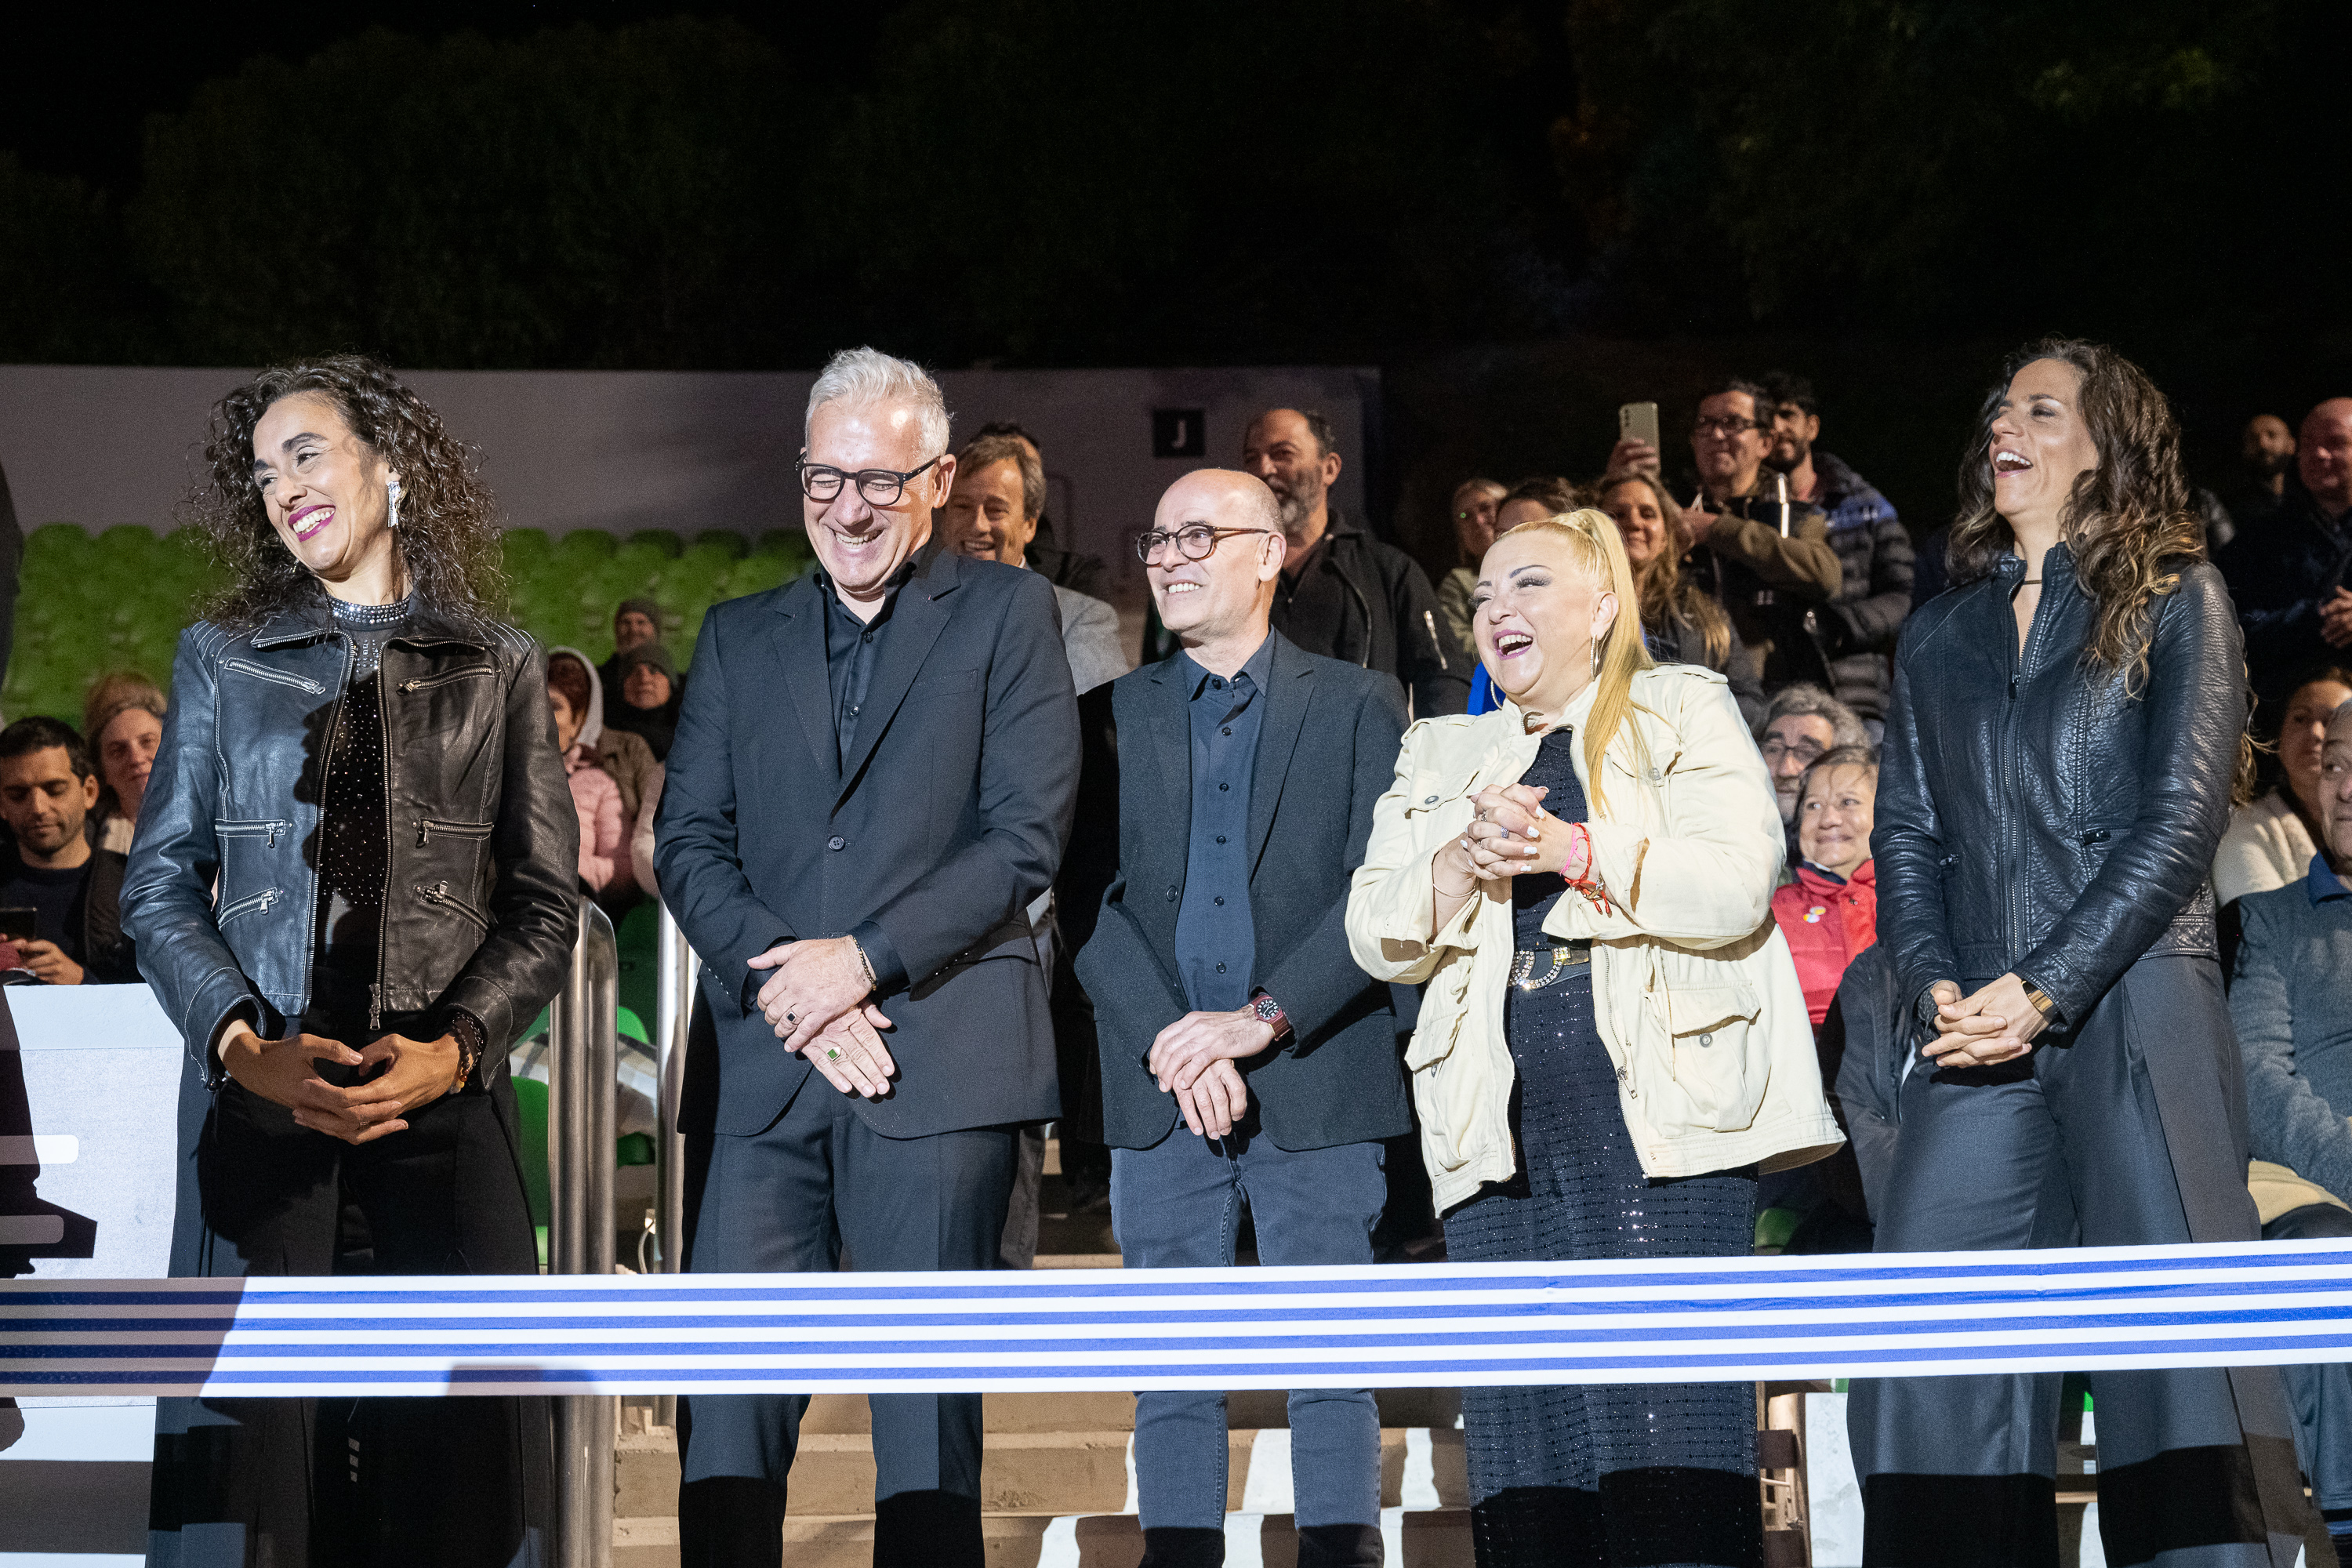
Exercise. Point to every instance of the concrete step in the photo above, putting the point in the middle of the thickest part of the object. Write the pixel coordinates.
(1052, 1472)
(1438, 1538)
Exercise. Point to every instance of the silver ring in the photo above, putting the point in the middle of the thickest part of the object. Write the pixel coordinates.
(832, 1053)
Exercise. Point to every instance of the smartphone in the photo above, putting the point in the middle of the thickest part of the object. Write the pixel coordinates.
(18, 925)
(1638, 422)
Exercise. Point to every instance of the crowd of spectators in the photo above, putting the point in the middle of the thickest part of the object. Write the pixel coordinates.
(1764, 558)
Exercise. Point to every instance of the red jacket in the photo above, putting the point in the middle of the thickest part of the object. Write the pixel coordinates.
(1827, 922)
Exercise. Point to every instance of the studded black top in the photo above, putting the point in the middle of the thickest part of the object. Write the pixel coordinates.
(354, 854)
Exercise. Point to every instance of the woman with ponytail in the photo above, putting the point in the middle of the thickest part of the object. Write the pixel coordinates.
(1613, 1043)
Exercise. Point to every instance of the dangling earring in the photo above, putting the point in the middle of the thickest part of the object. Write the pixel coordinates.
(392, 494)
(1596, 658)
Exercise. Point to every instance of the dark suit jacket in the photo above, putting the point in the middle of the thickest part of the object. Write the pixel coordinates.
(943, 824)
(1326, 751)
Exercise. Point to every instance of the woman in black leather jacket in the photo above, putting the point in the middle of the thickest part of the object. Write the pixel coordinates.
(353, 886)
(2067, 728)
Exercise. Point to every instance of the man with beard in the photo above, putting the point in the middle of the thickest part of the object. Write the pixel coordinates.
(2287, 570)
(2268, 449)
(1859, 624)
(1773, 576)
(1343, 593)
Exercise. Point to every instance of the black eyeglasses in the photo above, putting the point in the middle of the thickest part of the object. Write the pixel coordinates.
(880, 486)
(1195, 539)
(1726, 427)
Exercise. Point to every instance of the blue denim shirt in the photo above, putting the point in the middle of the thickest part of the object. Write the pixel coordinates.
(2291, 999)
(1216, 946)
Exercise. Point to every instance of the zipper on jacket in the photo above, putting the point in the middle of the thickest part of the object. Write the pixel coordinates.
(264, 830)
(426, 827)
(426, 682)
(2011, 833)
(383, 898)
(282, 677)
(251, 904)
(439, 893)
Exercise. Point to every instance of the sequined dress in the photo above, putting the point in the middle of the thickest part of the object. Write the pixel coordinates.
(1598, 1476)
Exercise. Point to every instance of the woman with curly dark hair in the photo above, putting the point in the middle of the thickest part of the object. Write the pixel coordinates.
(354, 879)
(2067, 728)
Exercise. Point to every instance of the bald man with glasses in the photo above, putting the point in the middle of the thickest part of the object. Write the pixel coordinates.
(1245, 1056)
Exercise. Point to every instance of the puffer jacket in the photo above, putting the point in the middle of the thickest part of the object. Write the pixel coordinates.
(2032, 817)
(1697, 1000)
(479, 902)
(1859, 627)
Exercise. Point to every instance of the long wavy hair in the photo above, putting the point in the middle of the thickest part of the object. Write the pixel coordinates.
(1666, 599)
(2127, 521)
(1597, 550)
(449, 538)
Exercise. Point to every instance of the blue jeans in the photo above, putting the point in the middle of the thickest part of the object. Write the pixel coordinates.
(1175, 1206)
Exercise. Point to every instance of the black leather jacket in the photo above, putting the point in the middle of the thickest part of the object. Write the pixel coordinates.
(2030, 817)
(484, 843)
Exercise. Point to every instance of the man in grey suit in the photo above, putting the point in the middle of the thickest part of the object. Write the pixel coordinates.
(992, 515)
(1225, 998)
(871, 783)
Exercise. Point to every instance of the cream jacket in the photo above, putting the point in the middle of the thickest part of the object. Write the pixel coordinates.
(1696, 994)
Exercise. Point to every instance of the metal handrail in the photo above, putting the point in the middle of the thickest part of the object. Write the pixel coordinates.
(583, 1051)
(673, 1011)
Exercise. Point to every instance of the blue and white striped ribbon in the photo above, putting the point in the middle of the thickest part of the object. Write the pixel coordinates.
(1669, 1319)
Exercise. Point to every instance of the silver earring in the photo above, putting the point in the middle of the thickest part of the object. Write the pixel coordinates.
(1596, 658)
(392, 494)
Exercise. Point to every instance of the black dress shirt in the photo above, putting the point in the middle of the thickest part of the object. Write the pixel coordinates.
(851, 649)
(1216, 945)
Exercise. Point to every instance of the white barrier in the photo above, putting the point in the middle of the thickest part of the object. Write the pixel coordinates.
(1669, 1319)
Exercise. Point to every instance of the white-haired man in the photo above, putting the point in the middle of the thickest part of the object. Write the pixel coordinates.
(852, 863)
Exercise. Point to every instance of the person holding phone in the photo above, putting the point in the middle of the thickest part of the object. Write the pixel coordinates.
(1768, 562)
(58, 890)
(350, 927)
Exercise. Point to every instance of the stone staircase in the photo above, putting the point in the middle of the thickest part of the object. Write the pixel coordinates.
(1059, 1486)
(1057, 1475)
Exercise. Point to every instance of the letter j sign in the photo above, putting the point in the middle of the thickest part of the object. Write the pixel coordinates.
(1178, 432)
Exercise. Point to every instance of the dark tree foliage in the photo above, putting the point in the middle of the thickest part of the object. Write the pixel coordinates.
(581, 197)
(1062, 182)
(1945, 161)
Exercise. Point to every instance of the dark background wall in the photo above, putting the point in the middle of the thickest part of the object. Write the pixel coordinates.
(1523, 213)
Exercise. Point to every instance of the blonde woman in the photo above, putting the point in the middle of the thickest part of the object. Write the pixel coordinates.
(1613, 1042)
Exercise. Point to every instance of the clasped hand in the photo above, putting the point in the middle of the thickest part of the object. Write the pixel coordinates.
(1997, 1024)
(1193, 1059)
(816, 1001)
(1512, 835)
(2336, 619)
(285, 1073)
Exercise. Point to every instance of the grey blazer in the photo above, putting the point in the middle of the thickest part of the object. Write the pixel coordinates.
(1327, 751)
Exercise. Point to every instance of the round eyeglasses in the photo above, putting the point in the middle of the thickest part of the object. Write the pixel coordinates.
(880, 486)
(1195, 539)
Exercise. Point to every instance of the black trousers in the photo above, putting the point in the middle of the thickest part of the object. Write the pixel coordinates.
(2128, 1131)
(815, 1190)
(345, 1483)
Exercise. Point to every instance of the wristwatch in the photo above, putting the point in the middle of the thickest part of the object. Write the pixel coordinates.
(1270, 1013)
